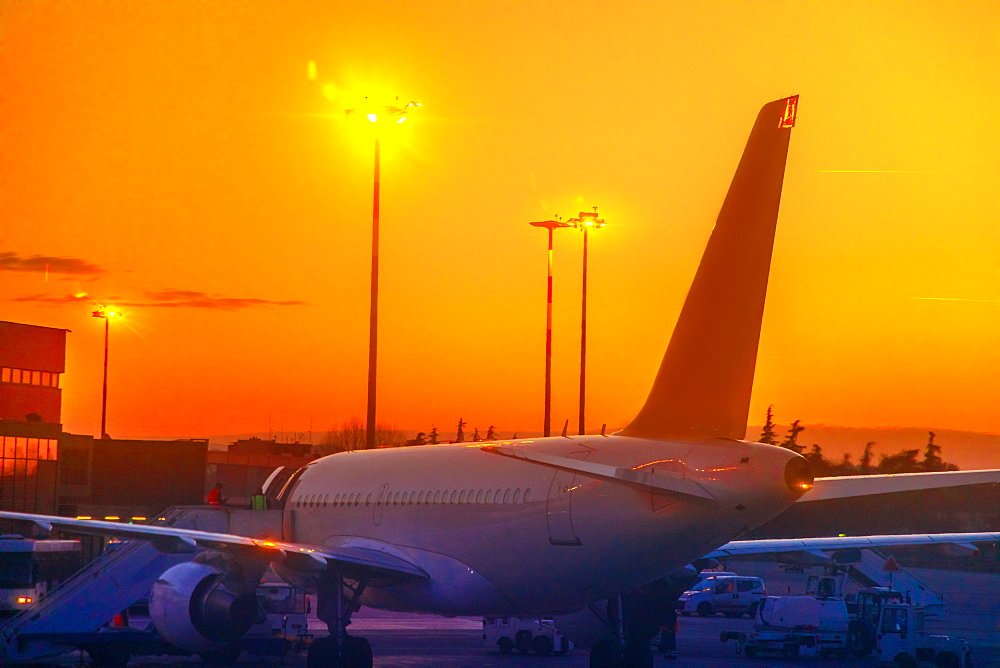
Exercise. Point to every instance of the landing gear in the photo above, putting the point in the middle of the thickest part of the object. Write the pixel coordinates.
(335, 607)
(634, 620)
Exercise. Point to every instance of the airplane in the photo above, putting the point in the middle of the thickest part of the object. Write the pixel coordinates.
(541, 526)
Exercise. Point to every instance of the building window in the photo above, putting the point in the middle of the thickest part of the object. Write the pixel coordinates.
(28, 377)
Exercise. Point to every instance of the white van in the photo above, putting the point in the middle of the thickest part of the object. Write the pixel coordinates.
(732, 595)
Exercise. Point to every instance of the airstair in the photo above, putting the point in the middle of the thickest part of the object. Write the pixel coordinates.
(115, 580)
(871, 572)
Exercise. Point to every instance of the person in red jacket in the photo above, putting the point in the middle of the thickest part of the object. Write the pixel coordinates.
(215, 495)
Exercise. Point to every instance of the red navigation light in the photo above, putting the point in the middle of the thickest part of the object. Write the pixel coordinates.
(788, 117)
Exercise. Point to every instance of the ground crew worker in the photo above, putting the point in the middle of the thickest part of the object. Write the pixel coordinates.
(215, 495)
(258, 501)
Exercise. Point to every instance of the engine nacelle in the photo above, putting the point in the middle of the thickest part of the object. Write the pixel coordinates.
(193, 608)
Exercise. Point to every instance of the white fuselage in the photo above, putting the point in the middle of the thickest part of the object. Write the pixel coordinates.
(502, 536)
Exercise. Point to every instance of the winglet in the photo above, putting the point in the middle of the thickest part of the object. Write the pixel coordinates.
(702, 389)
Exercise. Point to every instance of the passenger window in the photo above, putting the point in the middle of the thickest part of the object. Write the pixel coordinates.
(461, 497)
(517, 495)
(527, 494)
(489, 496)
(506, 496)
(368, 499)
(420, 498)
(479, 496)
(454, 495)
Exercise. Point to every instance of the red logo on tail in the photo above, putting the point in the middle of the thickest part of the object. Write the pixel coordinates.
(788, 117)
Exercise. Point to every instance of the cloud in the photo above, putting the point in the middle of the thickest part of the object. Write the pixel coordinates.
(46, 299)
(10, 261)
(165, 299)
(191, 299)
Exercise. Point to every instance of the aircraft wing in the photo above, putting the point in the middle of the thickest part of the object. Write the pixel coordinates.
(814, 546)
(825, 489)
(348, 561)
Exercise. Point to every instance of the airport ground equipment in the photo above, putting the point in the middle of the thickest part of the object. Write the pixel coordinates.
(526, 635)
(30, 568)
(864, 612)
(903, 640)
(795, 626)
(870, 571)
(732, 595)
(84, 603)
(283, 611)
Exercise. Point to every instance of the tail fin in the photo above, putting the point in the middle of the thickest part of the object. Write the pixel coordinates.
(702, 389)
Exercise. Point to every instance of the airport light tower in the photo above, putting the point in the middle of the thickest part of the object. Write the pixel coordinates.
(550, 225)
(107, 315)
(385, 114)
(586, 221)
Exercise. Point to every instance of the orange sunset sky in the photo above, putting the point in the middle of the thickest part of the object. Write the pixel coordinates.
(174, 159)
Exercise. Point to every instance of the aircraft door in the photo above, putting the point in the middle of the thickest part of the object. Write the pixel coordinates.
(380, 500)
(559, 507)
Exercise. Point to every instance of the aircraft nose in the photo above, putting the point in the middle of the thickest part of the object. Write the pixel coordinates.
(799, 475)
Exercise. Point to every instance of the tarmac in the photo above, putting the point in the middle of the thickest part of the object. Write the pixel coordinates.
(427, 641)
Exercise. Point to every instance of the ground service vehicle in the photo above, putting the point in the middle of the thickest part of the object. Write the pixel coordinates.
(865, 615)
(525, 635)
(903, 641)
(30, 568)
(796, 626)
(282, 614)
(732, 595)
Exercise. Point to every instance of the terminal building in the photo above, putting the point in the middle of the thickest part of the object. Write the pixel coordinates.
(48, 471)
(32, 360)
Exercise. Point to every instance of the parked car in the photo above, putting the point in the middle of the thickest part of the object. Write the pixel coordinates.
(732, 595)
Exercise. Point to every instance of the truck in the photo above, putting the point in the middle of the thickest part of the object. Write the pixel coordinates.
(796, 626)
(902, 640)
(525, 635)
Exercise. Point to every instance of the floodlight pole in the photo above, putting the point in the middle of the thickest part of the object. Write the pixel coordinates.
(585, 221)
(550, 225)
(373, 312)
(107, 315)
(104, 391)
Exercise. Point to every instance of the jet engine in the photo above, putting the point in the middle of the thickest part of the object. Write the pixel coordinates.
(196, 607)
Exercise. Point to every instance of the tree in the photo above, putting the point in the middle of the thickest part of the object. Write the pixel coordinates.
(768, 435)
(460, 436)
(932, 457)
(352, 436)
(865, 466)
(904, 461)
(815, 457)
(433, 436)
(791, 441)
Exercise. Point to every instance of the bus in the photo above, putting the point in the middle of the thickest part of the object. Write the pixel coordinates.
(30, 568)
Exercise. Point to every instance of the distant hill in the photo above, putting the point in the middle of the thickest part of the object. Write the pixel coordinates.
(966, 449)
